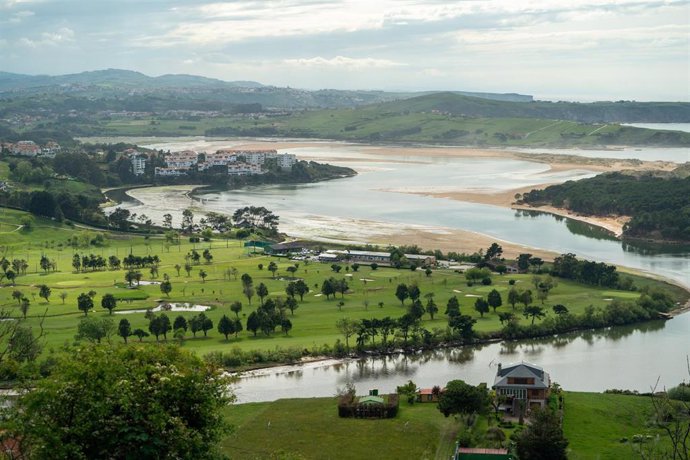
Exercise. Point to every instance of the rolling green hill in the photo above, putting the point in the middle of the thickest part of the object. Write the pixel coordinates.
(447, 118)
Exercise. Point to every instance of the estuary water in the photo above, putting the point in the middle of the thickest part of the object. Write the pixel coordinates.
(628, 357)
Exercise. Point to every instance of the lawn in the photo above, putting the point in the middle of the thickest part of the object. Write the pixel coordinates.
(311, 428)
(596, 423)
(313, 321)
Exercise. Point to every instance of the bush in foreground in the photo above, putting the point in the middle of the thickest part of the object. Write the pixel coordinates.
(128, 402)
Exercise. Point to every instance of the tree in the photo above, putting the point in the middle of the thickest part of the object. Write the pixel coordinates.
(526, 297)
(505, 317)
(203, 275)
(140, 333)
(328, 287)
(164, 325)
(290, 289)
(494, 299)
(195, 324)
(11, 276)
(291, 304)
(342, 287)
(103, 402)
(17, 295)
(256, 217)
(543, 438)
(44, 291)
(166, 287)
(109, 302)
(544, 287)
(167, 220)
(462, 324)
(248, 291)
(24, 305)
(523, 261)
(95, 329)
(188, 269)
(301, 288)
(431, 306)
(462, 398)
(417, 309)
(124, 329)
(347, 327)
(236, 307)
(481, 306)
(253, 322)
(494, 251)
(402, 293)
(206, 323)
(273, 268)
(405, 323)
(513, 297)
(84, 303)
(414, 292)
(187, 221)
(262, 292)
(63, 296)
(285, 325)
(180, 323)
(534, 312)
(374, 266)
(226, 326)
(560, 309)
(453, 307)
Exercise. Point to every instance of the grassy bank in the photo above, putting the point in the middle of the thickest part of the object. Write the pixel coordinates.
(310, 428)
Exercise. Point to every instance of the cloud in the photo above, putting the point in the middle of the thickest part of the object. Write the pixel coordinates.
(343, 62)
(61, 36)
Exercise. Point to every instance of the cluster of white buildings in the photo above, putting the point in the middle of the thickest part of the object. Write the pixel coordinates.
(235, 162)
(32, 149)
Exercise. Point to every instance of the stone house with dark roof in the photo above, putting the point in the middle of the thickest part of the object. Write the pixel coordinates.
(522, 382)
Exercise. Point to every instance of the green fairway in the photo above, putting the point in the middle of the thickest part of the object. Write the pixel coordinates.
(314, 321)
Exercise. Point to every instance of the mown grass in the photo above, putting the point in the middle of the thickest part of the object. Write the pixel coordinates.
(597, 424)
(311, 428)
(594, 424)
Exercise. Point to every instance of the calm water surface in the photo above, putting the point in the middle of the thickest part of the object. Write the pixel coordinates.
(629, 357)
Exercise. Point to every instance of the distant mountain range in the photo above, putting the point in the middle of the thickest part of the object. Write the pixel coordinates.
(122, 83)
(115, 78)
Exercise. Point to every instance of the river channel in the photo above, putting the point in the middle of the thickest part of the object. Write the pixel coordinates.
(629, 357)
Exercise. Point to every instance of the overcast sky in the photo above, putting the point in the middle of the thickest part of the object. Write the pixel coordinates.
(569, 49)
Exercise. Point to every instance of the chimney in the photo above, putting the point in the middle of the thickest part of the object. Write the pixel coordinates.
(499, 368)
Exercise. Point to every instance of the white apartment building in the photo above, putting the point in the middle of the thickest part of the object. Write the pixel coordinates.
(138, 163)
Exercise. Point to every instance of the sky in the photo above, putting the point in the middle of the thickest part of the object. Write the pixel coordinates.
(554, 49)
